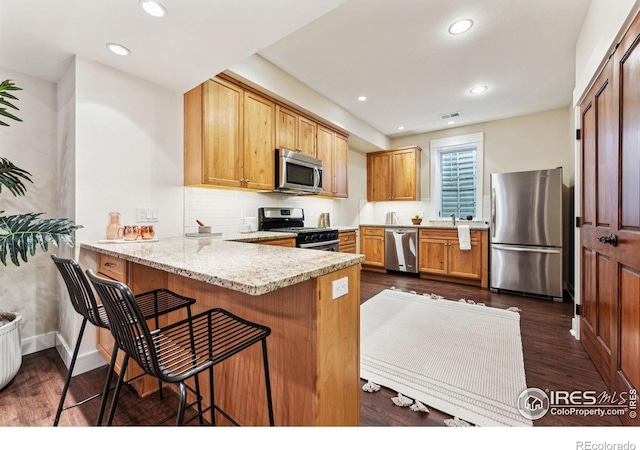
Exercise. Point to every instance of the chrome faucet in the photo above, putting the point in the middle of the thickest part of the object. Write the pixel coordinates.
(453, 218)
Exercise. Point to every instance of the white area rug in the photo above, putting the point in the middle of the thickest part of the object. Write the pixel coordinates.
(462, 359)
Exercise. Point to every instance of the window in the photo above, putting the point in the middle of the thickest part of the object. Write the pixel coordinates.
(457, 176)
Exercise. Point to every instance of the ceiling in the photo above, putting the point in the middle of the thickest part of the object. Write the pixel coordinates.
(398, 53)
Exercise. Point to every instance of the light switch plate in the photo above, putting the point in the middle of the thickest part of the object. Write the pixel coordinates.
(146, 214)
(340, 287)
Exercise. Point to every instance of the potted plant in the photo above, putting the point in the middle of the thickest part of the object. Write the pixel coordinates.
(416, 220)
(20, 236)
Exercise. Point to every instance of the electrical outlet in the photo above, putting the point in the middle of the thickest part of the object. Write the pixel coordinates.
(146, 214)
(340, 287)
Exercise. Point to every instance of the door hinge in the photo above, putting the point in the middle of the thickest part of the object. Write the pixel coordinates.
(578, 134)
(577, 310)
(578, 222)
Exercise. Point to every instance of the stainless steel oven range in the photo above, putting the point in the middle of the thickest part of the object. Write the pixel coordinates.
(291, 220)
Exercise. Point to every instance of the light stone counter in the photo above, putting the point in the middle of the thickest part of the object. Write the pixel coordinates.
(253, 269)
(441, 225)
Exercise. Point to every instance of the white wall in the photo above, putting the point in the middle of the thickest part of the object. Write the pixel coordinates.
(32, 288)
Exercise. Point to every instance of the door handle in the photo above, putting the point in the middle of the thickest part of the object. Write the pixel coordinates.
(611, 239)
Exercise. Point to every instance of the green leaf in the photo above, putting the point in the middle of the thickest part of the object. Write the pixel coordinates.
(13, 177)
(21, 235)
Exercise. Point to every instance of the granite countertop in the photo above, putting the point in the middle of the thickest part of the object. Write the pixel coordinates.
(254, 269)
(437, 224)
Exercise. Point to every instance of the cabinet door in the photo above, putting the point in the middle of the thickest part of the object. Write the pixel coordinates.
(341, 156)
(378, 177)
(403, 175)
(434, 256)
(307, 131)
(326, 144)
(465, 263)
(222, 129)
(259, 142)
(286, 128)
(373, 249)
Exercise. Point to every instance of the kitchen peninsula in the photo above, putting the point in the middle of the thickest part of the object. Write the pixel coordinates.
(314, 342)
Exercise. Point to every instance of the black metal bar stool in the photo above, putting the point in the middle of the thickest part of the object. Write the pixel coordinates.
(181, 350)
(152, 305)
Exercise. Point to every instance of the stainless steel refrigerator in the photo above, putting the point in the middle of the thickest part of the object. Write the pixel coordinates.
(526, 232)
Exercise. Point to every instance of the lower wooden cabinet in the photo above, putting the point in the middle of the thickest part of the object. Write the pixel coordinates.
(372, 246)
(288, 242)
(347, 241)
(441, 257)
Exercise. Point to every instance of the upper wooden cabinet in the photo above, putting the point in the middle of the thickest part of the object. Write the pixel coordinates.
(394, 174)
(295, 132)
(232, 131)
(333, 150)
(229, 137)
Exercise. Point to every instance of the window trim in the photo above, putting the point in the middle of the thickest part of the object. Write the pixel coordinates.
(439, 146)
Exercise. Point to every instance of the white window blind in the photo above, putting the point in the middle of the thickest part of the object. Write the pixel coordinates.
(459, 181)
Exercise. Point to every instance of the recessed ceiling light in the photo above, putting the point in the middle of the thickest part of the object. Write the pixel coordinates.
(400, 128)
(118, 49)
(451, 122)
(478, 89)
(153, 8)
(362, 98)
(460, 26)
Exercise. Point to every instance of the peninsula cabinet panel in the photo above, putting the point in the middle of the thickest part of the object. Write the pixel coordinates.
(394, 175)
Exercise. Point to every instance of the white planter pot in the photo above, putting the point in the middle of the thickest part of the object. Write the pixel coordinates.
(10, 351)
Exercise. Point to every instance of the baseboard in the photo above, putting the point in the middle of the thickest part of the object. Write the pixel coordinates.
(84, 362)
(38, 343)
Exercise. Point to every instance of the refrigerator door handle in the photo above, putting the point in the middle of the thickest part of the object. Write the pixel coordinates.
(493, 212)
(525, 249)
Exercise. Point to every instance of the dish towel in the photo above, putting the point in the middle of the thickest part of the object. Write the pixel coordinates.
(464, 237)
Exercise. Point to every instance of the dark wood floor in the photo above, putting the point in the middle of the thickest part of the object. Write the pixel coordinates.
(553, 360)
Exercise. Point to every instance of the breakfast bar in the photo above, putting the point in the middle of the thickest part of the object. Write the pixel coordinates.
(314, 342)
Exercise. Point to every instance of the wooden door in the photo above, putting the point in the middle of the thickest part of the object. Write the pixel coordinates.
(599, 171)
(626, 218)
(286, 128)
(222, 130)
(378, 177)
(326, 145)
(341, 157)
(403, 175)
(465, 263)
(259, 142)
(434, 256)
(307, 139)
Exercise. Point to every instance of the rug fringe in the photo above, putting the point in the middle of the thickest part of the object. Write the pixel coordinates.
(370, 386)
(419, 407)
(457, 422)
(401, 400)
(514, 309)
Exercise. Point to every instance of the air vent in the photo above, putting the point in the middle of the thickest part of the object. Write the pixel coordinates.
(450, 115)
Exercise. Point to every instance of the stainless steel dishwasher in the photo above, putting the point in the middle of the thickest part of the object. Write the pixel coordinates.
(401, 249)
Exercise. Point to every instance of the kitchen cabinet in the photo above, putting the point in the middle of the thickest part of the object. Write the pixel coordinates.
(347, 241)
(295, 131)
(229, 137)
(441, 258)
(333, 149)
(394, 175)
(139, 279)
(372, 246)
(288, 242)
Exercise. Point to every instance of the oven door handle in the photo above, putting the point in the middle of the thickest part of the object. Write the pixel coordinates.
(319, 244)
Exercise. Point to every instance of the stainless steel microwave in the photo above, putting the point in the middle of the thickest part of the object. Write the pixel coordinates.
(297, 173)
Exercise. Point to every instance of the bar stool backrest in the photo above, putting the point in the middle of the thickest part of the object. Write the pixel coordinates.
(127, 322)
(80, 293)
